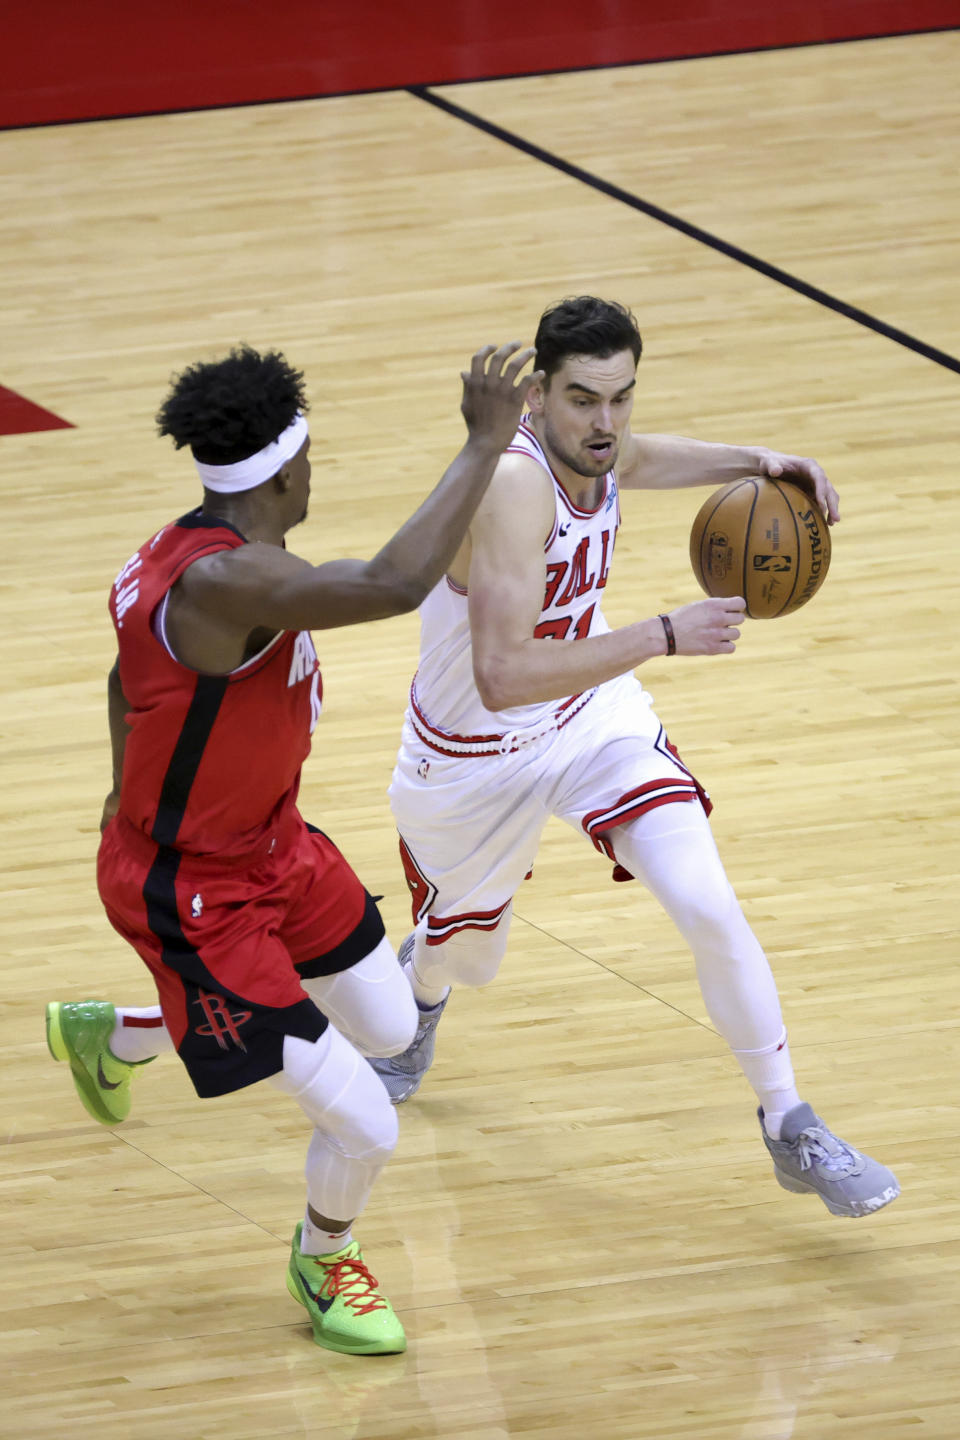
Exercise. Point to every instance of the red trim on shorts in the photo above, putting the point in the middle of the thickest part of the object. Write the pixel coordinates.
(672, 753)
(423, 892)
(453, 924)
(631, 805)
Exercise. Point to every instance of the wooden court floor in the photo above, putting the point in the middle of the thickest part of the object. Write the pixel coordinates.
(580, 1227)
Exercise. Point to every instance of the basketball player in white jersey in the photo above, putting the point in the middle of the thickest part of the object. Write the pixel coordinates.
(507, 725)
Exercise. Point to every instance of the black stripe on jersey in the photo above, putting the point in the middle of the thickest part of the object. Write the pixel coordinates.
(200, 520)
(186, 757)
(160, 898)
(217, 1069)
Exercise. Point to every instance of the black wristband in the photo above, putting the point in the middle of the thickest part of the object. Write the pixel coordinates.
(668, 631)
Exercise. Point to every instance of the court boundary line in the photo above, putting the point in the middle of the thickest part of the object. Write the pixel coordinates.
(685, 227)
(490, 79)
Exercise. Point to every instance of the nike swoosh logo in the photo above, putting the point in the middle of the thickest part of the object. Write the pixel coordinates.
(103, 1081)
(322, 1304)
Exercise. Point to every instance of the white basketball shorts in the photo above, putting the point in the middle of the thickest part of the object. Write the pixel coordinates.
(470, 826)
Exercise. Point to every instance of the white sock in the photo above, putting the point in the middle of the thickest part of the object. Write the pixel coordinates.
(773, 1118)
(315, 1241)
(426, 996)
(770, 1072)
(139, 1034)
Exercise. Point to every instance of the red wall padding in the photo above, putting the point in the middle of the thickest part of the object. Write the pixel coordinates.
(80, 59)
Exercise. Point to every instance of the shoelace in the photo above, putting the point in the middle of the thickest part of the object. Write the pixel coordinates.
(816, 1144)
(352, 1280)
(426, 1025)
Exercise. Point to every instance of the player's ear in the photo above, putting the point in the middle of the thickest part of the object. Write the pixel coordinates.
(283, 480)
(537, 394)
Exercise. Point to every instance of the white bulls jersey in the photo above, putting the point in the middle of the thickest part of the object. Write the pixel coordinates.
(445, 708)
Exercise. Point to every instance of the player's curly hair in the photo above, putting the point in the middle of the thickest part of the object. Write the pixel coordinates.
(228, 409)
(584, 325)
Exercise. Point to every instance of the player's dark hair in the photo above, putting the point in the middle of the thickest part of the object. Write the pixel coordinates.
(228, 409)
(584, 325)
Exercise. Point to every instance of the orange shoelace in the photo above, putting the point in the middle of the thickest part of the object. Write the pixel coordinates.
(352, 1280)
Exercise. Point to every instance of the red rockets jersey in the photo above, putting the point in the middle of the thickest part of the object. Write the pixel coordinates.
(211, 760)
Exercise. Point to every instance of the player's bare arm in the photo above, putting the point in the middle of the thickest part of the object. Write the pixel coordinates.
(506, 587)
(671, 462)
(228, 602)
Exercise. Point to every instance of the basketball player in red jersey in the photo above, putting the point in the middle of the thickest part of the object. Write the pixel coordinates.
(269, 956)
(506, 726)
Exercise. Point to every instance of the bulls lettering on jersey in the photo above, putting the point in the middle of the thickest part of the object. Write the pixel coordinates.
(579, 552)
(570, 580)
(445, 707)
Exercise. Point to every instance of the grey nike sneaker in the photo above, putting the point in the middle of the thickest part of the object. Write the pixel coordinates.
(402, 1074)
(809, 1159)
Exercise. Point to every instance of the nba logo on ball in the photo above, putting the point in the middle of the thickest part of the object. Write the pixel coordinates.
(772, 562)
(763, 539)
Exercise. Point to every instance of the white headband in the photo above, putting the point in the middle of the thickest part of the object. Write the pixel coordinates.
(245, 474)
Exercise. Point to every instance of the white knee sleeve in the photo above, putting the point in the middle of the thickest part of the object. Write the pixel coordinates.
(356, 1126)
(468, 957)
(370, 1003)
(671, 850)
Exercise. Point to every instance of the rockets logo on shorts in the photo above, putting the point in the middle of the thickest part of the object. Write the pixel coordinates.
(221, 1022)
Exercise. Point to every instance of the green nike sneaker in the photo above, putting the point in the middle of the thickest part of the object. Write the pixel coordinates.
(346, 1309)
(81, 1033)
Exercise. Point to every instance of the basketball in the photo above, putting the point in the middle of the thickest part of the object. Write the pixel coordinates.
(763, 539)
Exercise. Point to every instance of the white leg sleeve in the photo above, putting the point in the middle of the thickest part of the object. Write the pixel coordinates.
(356, 1126)
(467, 957)
(370, 1003)
(671, 850)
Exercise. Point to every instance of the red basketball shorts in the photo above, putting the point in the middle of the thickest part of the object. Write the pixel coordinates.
(228, 942)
